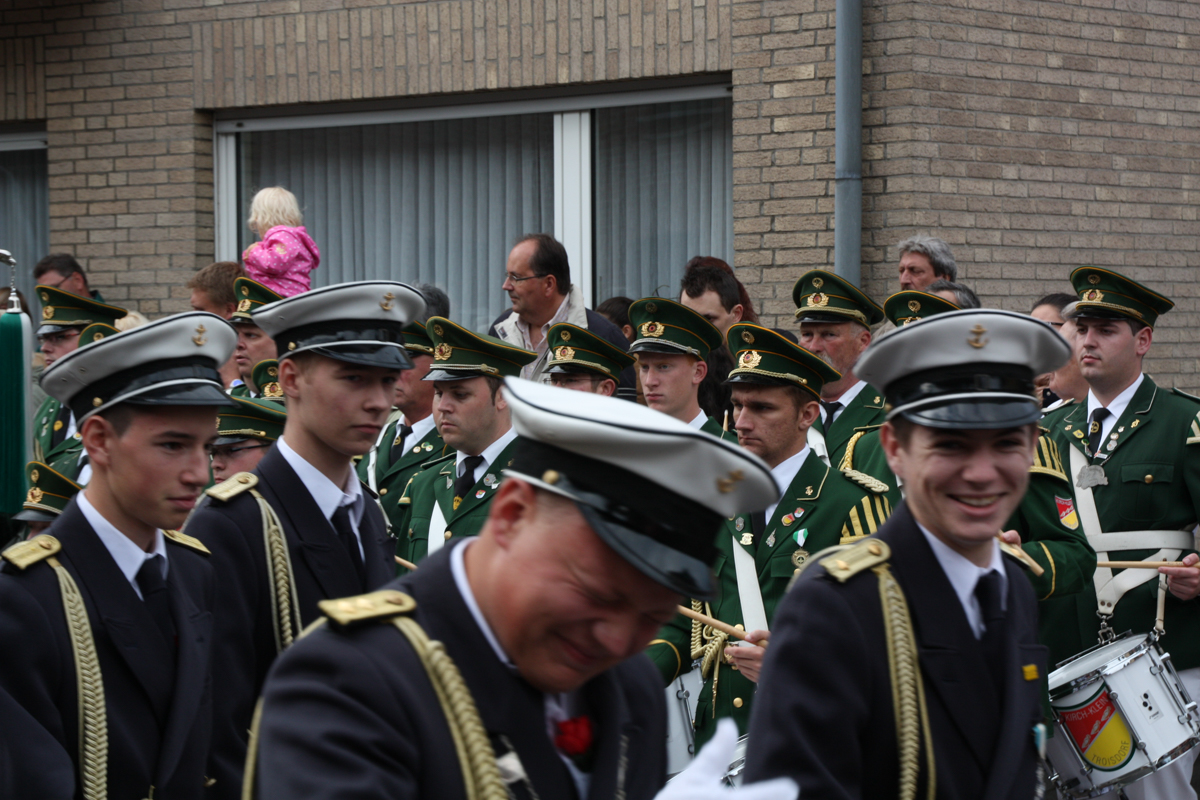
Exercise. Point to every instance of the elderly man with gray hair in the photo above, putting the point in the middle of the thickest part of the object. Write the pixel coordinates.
(923, 260)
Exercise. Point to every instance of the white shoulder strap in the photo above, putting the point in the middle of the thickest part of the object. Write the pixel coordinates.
(816, 440)
(754, 615)
(437, 529)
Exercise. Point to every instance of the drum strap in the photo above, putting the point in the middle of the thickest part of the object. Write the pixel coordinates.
(1111, 588)
(816, 440)
(754, 614)
(437, 529)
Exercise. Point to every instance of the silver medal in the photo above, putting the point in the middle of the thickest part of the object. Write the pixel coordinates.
(1091, 475)
(771, 539)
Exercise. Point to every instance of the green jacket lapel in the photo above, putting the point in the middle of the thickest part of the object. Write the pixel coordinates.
(802, 495)
(1134, 419)
(482, 491)
(430, 447)
(864, 411)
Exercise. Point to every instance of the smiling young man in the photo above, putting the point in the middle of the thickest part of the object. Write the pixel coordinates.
(450, 496)
(300, 528)
(835, 323)
(106, 628)
(776, 389)
(918, 646)
(254, 344)
(1131, 449)
(594, 535)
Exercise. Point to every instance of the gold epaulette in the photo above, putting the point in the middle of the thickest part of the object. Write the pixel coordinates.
(26, 554)
(847, 461)
(231, 487)
(866, 481)
(187, 541)
(382, 605)
(845, 564)
(1046, 459)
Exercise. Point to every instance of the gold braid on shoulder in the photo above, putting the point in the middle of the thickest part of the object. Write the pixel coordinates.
(847, 461)
(285, 611)
(708, 645)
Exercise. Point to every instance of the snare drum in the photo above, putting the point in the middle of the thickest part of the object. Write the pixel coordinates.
(681, 711)
(733, 775)
(1121, 713)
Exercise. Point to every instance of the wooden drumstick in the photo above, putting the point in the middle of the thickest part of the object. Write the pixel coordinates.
(736, 633)
(1143, 564)
(408, 565)
(1020, 555)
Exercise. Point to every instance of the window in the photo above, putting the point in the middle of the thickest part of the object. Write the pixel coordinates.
(24, 208)
(633, 184)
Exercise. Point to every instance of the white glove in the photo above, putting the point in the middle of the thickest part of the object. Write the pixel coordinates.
(703, 778)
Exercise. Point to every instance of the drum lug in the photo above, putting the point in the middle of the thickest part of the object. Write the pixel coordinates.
(1106, 634)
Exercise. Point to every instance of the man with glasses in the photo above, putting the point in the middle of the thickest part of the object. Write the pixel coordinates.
(583, 362)
(64, 316)
(538, 281)
(244, 433)
(62, 271)
(254, 345)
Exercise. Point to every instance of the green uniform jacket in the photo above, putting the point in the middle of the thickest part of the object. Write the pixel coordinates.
(1153, 472)
(864, 413)
(831, 508)
(63, 457)
(713, 427)
(391, 477)
(241, 390)
(435, 483)
(43, 428)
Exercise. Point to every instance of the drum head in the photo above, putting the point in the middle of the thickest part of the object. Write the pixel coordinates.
(1095, 659)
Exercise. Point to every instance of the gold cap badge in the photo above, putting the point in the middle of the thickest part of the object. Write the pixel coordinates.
(565, 336)
(47, 312)
(243, 305)
(653, 329)
(564, 353)
(1093, 279)
(442, 352)
(818, 283)
(1093, 295)
(819, 300)
(914, 306)
(749, 359)
(34, 496)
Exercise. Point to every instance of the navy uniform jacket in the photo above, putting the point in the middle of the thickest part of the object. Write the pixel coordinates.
(158, 723)
(823, 713)
(382, 733)
(244, 637)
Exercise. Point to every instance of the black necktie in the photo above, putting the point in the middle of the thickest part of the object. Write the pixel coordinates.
(1095, 426)
(466, 480)
(758, 522)
(61, 419)
(154, 594)
(402, 433)
(345, 535)
(830, 410)
(987, 592)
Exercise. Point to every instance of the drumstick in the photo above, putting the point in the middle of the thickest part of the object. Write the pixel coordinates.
(1143, 564)
(408, 565)
(736, 633)
(1020, 555)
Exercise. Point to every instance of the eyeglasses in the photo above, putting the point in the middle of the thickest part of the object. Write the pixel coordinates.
(61, 280)
(510, 278)
(1056, 324)
(226, 452)
(58, 337)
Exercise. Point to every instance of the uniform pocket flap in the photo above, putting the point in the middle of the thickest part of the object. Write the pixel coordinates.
(1147, 473)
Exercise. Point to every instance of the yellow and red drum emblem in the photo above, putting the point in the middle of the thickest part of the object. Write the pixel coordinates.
(1099, 731)
(1066, 512)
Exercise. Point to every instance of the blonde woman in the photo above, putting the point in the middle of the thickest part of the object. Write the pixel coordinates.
(286, 255)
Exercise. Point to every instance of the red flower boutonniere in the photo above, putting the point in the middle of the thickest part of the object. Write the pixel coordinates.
(574, 739)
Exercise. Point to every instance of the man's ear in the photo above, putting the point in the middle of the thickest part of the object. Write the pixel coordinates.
(739, 313)
(98, 436)
(1143, 339)
(891, 448)
(515, 501)
(289, 378)
(809, 413)
(701, 369)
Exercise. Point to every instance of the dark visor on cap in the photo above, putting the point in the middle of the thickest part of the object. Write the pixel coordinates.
(967, 397)
(370, 343)
(191, 381)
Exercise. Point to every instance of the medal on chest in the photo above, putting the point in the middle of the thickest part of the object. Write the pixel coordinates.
(1091, 475)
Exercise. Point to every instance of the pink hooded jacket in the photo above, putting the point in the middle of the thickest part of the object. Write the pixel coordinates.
(283, 260)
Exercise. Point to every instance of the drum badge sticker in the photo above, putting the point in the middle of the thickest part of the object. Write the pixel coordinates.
(1100, 732)
(1066, 512)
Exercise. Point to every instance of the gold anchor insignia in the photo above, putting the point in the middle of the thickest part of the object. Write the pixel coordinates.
(818, 283)
(977, 341)
(199, 339)
(34, 496)
(243, 305)
(442, 352)
(819, 300)
(725, 485)
(386, 305)
(1093, 295)
(750, 359)
(565, 336)
(565, 353)
(47, 312)
(1093, 279)
(747, 337)
(914, 306)
(654, 329)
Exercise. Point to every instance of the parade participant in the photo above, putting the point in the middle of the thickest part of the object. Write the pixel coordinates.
(49, 493)
(451, 496)
(300, 528)
(64, 316)
(958, 293)
(907, 665)
(604, 521)
(254, 344)
(106, 630)
(672, 347)
(412, 438)
(582, 361)
(776, 391)
(923, 260)
(61, 271)
(1128, 480)
(244, 433)
(1067, 382)
(835, 323)
(212, 291)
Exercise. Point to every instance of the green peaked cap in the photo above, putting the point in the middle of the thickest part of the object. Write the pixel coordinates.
(763, 356)
(1104, 293)
(416, 338)
(265, 375)
(459, 353)
(251, 295)
(821, 296)
(251, 418)
(65, 310)
(49, 493)
(96, 332)
(576, 349)
(664, 326)
(910, 306)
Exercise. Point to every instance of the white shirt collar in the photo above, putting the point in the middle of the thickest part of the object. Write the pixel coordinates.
(559, 316)
(129, 556)
(699, 421)
(785, 472)
(490, 453)
(327, 494)
(1116, 409)
(458, 569)
(846, 398)
(964, 576)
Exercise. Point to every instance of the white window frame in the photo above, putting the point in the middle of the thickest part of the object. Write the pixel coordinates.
(572, 157)
(31, 140)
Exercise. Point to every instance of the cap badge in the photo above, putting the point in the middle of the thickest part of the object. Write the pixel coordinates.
(565, 336)
(45, 296)
(442, 352)
(33, 476)
(243, 305)
(651, 308)
(725, 485)
(245, 291)
(437, 330)
(1093, 295)
(653, 329)
(47, 312)
(818, 283)
(34, 496)
(747, 337)
(386, 304)
(819, 300)
(977, 341)
(914, 306)
(291, 345)
(749, 359)
(1093, 279)
(272, 390)
(199, 340)
(564, 353)
(273, 371)
(97, 336)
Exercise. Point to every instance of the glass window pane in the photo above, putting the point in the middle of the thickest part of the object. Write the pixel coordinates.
(428, 202)
(24, 216)
(663, 178)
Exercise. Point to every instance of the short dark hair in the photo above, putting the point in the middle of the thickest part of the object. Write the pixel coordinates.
(616, 310)
(62, 263)
(437, 304)
(707, 273)
(1058, 300)
(216, 280)
(964, 297)
(120, 417)
(494, 385)
(714, 394)
(549, 258)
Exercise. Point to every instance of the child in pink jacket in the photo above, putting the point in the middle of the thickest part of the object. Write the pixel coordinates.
(286, 255)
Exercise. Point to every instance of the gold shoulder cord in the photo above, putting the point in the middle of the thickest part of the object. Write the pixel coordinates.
(847, 461)
(908, 689)
(708, 645)
(89, 689)
(285, 612)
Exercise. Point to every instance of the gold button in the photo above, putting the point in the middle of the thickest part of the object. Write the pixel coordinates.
(382, 492)
(363, 603)
(396, 599)
(46, 544)
(874, 549)
(1149, 479)
(243, 479)
(842, 565)
(738, 702)
(448, 534)
(796, 571)
(739, 627)
(345, 606)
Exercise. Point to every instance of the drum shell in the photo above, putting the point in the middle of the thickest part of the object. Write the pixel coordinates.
(682, 695)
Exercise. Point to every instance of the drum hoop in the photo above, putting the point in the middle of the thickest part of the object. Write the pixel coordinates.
(1114, 664)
